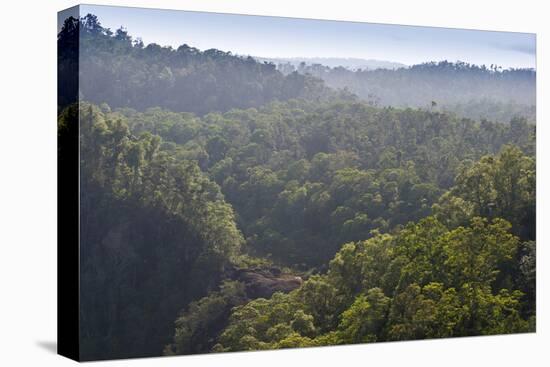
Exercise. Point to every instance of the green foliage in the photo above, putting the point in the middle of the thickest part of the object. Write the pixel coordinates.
(296, 200)
(198, 326)
(434, 312)
(365, 318)
(501, 186)
(473, 253)
(304, 178)
(425, 281)
(155, 234)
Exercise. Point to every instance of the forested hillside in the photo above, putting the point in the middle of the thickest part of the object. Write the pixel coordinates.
(296, 201)
(227, 206)
(471, 91)
(425, 281)
(306, 178)
(118, 69)
(156, 233)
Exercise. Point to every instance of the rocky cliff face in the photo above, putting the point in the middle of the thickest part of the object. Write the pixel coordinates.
(262, 283)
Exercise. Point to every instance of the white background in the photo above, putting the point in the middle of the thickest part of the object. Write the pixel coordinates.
(28, 183)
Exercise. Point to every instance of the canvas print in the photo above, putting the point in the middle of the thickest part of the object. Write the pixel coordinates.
(242, 183)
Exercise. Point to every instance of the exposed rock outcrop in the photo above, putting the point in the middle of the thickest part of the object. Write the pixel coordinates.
(262, 283)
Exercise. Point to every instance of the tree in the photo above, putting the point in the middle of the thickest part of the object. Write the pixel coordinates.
(364, 320)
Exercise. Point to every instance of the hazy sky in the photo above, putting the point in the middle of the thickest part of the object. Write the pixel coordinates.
(290, 37)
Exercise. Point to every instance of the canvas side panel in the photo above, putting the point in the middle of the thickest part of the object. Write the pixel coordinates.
(68, 210)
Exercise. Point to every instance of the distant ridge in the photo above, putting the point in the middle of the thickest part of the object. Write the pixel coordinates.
(348, 63)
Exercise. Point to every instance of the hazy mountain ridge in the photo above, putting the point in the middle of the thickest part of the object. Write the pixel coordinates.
(120, 70)
(351, 63)
(473, 91)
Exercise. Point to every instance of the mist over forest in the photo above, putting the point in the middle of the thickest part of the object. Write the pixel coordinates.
(351, 63)
(229, 203)
(477, 92)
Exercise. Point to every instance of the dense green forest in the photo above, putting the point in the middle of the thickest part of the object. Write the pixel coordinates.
(305, 178)
(228, 206)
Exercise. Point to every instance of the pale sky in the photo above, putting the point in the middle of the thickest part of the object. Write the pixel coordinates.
(292, 37)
